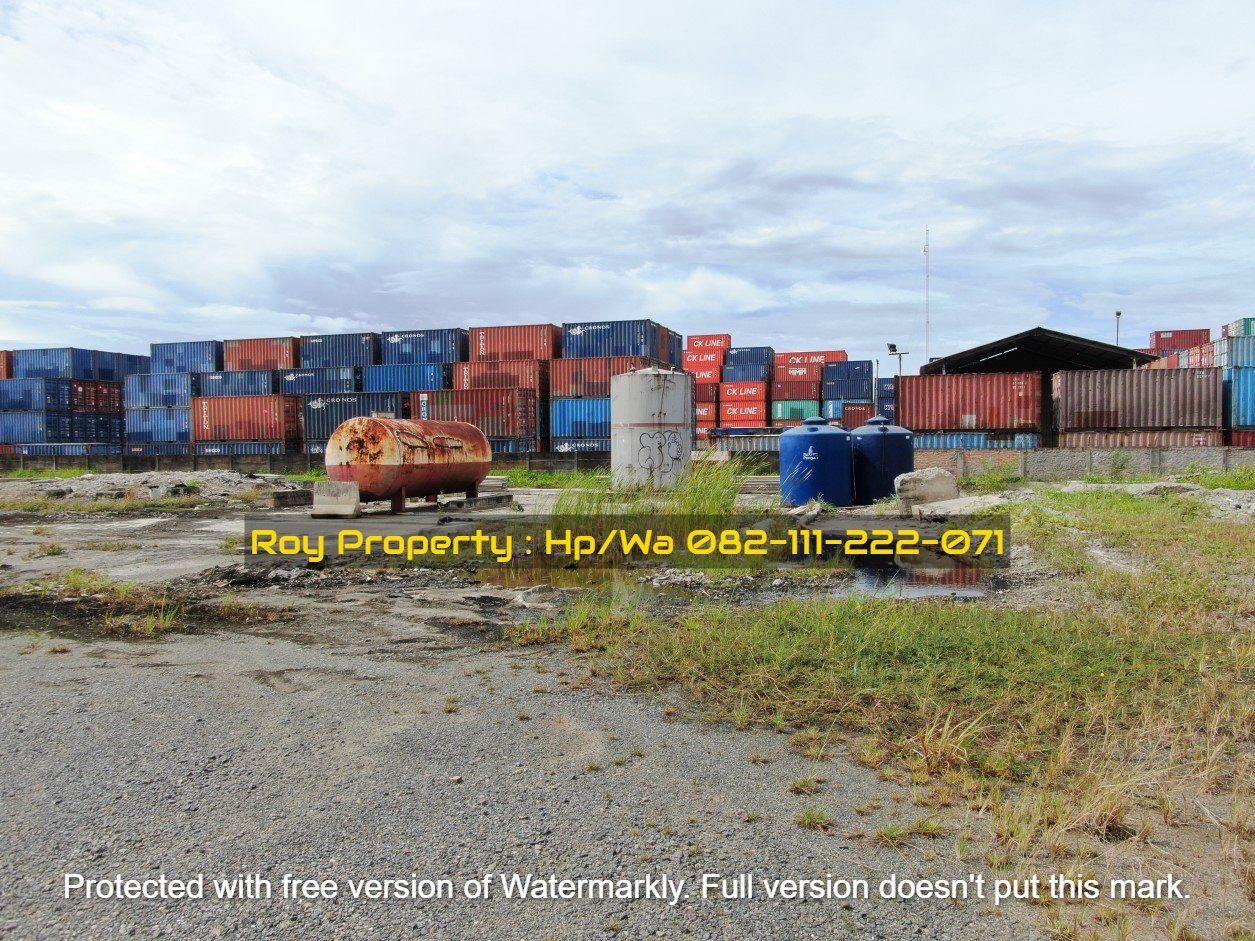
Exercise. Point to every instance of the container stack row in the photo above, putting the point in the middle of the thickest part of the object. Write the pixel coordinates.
(973, 410)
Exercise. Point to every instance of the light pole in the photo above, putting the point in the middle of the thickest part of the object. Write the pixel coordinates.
(893, 351)
(1117, 328)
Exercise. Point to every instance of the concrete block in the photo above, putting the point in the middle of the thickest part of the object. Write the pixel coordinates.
(930, 485)
(333, 499)
(960, 506)
(285, 498)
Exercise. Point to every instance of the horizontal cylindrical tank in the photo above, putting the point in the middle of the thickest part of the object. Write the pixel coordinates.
(390, 458)
(816, 464)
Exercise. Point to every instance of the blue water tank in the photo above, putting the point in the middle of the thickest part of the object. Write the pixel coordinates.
(816, 464)
(881, 452)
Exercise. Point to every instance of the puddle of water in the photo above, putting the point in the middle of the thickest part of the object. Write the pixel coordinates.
(888, 579)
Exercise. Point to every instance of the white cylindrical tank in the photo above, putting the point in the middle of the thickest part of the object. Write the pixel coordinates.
(651, 427)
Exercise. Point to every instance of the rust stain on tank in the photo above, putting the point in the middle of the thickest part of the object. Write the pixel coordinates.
(386, 457)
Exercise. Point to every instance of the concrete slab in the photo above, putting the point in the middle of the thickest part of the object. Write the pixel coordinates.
(943, 509)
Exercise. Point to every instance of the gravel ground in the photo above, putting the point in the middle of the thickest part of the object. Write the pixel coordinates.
(325, 750)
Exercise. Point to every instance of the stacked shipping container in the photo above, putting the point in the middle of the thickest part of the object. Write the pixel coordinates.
(1006, 408)
(1139, 407)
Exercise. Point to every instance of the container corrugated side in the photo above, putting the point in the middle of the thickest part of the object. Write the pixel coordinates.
(35, 427)
(805, 372)
(246, 418)
(810, 358)
(832, 409)
(795, 409)
(706, 392)
(602, 338)
(1240, 438)
(1239, 397)
(589, 377)
(1139, 399)
(708, 341)
(850, 369)
(706, 412)
(321, 381)
(410, 347)
(857, 390)
(796, 390)
(238, 382)
(114, 367)
(579, 418)
(96, 426)
(95, 395)
(503, 374)
(6, 364)
(975, 441)
(514, 445)
(159, 390)
(747, 373)
(1004, 401)
(1178, 339)
(698, 359)
(744, 414)
(32, 395)
(144, 425)
(498, 413)
(1174, 438)
(741, 391)
(325, 350)
(581, 445)
(1242, 327)
(242, 448)
(159, 449)
(884, 386)
(856, 414)
(57, 363)
(531, 342)
(405, 377)
(76, 449)
(193, 356)
(323, 414)
(749, 356)
(1235, 351)
(261, 353)
(706, 375)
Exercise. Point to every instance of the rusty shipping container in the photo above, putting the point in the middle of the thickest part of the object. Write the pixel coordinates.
(93, 395)
(588, 377)
(503, 374)
(498, 413)
(1240, 438)
(263, 353)
(1175, 438)
(794, 389)
(742, 391)
(708, 341)
(1178, 339)
(1138, 399)
(996, 401)
(535, 341)
(247, 418)
(6, 364)
(811, 358)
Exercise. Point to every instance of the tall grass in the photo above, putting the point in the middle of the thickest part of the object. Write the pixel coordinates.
(557, 480)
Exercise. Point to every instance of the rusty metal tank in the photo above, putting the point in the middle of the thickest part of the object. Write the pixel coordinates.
(397, 459)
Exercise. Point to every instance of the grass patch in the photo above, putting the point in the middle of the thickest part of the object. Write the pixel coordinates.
(557, 480)
(46, 548)
(993, 479)
(109, 545)
(309, 476)
(1239, 478)
(61, 474)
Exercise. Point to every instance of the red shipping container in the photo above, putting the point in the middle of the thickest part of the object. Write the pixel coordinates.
(1240, 438)
(739, 391)
(796, 390)
(706, 412)
(503, 374)
(1203, 355)
(1178, 339)
(703, 358)
(810, 372)
(810, 358)
(6, 448)
(498, 413)
(1176, 438)
(535, 341)
(994, 401)
(95, 395)
(708, 341)
(744, 414)
(264, 353)
(706, 375)
(706, 392)
(855, 414)
(786, 423)
(1124, 399)
(1171, 360)
(6, 364)
(246, 418)
(589, 377)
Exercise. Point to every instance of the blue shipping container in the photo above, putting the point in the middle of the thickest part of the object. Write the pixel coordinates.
(90, 426)
(35, 427)
(409, 347)
(1239, 397)
(974, 441)
(31, 395)
(324, 413)
(158, 424)
(60, 363)
(159, 449)
(833, 408)
(114, 367)
(750, 356)
(579, 418)
(584, 445)
(514, 445)
(159, 390)
(748, 372)
(853, 369)
(195, 356)
(852, 390)
(339, 349)
(320, 381)
(884, 386)
(78, 449)
(405, 378)
(238, 382)
(601, 338)
(315, 447)
(238, 448)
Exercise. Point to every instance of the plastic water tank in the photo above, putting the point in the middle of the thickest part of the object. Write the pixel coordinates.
(815, 464)
(882, 451)
(651, 427)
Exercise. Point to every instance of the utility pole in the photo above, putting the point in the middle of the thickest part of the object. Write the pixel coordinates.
(1117, 328)
(927, 285)
(894, 351)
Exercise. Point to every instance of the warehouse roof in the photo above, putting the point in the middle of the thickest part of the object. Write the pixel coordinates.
(1038, 350)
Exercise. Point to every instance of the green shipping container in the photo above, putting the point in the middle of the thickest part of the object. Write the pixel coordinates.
(1241, 328)
(794, 409)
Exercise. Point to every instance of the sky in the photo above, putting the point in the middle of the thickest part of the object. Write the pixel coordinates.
(186, 170)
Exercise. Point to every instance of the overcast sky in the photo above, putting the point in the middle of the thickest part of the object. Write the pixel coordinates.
(227, 169)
